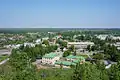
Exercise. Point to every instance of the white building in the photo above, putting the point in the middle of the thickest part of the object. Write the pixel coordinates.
(29, 44)
(5, 52)
(13, 46)
(102, 37)
(45, 38)
(117, 45)
(75, 58)
(18, 45)
(80, 45)
(50, 58)
(115, 38)
(38, 41)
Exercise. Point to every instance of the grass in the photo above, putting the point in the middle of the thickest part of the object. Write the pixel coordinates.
(3, 57)
(85, 56)
(55, 74)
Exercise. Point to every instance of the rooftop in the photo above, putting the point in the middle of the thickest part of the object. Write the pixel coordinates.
(66, 63)
(76, 61)
(50, 55)
(75, 57)
(77, 43)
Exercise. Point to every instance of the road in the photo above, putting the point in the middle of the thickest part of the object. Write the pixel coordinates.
(4, 61)
(89, 56)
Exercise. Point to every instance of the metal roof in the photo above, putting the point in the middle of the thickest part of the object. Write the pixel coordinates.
(50, 55)
(66, 63)
(75, 57)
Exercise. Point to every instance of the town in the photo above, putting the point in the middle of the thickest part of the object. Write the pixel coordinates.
(60, 50)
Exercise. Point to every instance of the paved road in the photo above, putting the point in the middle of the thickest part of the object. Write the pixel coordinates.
(4, 61)
(89, 56)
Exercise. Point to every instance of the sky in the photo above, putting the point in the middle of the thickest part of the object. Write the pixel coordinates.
(59, 13)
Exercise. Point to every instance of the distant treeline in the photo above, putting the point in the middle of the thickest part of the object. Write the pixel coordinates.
(24, 30)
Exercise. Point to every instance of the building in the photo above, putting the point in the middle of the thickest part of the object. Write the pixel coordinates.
(50, 58)
(70, 61)
(80, 45)
(102, 37)
(13, 46)
(38, 41)
(64, 64)
(117, 44)
(45, 38)
(115, 38)
(5, 52)
(29, 44)
(75, 59)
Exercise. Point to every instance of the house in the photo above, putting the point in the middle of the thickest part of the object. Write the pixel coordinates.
(50, 58)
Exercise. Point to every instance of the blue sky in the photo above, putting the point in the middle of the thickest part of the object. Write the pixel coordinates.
(60, 13)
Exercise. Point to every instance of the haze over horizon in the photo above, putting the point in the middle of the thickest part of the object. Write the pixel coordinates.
(59, 14)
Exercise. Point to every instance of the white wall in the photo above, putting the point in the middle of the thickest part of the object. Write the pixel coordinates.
(50, 61)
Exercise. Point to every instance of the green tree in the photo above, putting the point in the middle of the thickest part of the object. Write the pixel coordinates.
(88, 72)
(114, 72)
(46, 42)
(64, 44)
(99, 56)
(22, 66)
(66, 53)
(18, 60)
(72, 48)
(89, 48)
